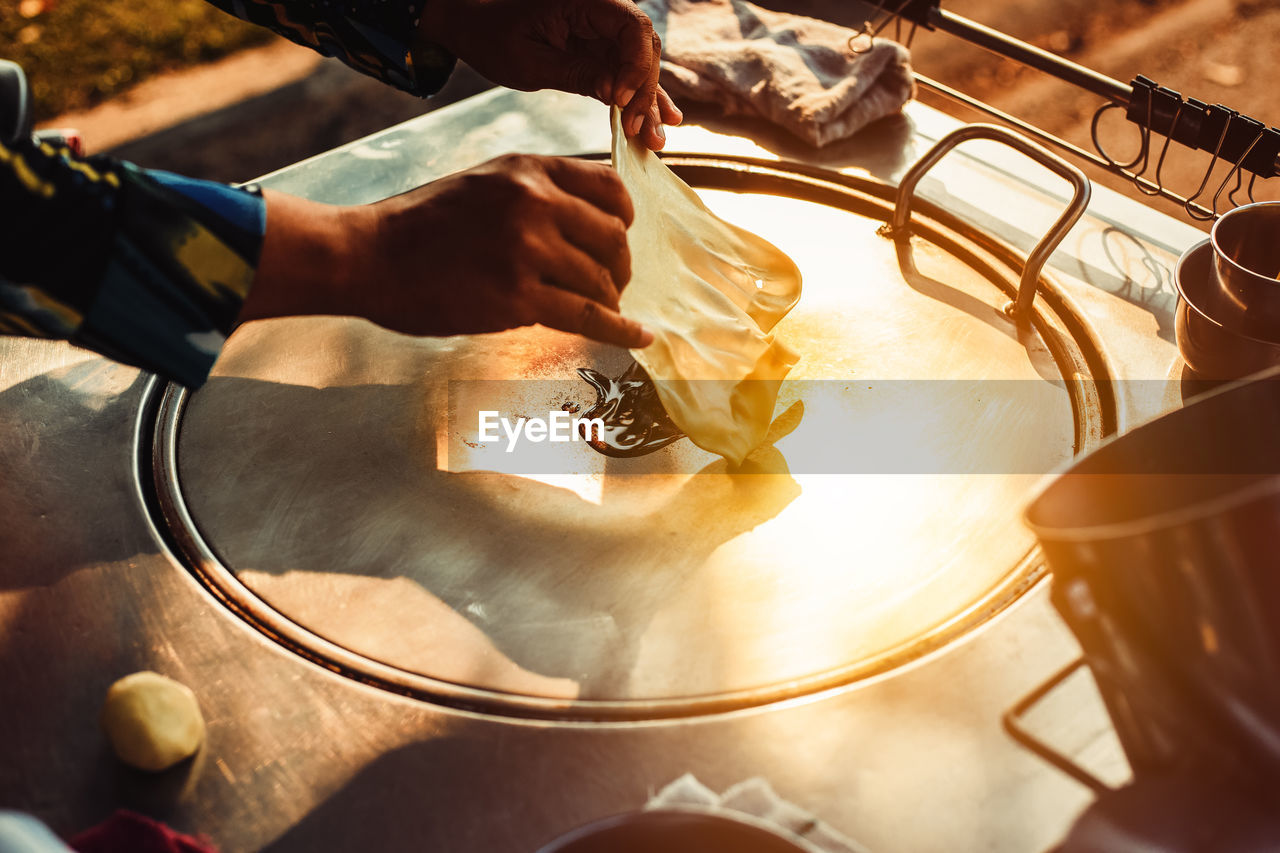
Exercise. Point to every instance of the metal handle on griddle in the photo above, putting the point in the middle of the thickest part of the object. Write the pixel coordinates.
(1020, 309)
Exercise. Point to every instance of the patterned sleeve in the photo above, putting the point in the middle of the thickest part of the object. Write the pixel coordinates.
(146, 267)
(374, 37)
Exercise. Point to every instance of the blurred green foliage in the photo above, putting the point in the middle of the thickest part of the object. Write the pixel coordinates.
(77, 53)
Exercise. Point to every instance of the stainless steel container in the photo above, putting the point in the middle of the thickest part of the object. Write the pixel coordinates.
(1246, 249)
(1213, 350)
(1163, 545)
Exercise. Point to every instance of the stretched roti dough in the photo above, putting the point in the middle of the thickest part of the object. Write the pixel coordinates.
(710, 293)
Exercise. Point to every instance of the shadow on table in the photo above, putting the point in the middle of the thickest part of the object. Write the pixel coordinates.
(297, 488)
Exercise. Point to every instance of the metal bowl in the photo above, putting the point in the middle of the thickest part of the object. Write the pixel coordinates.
(677, 830)
(1246, 262)
(1212, 349)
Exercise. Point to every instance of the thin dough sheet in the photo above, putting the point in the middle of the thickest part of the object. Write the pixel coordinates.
(711, 293)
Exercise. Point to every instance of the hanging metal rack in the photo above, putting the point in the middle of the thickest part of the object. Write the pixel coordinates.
(1231, 137)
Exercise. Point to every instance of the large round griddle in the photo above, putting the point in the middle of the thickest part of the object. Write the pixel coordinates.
(319, 486)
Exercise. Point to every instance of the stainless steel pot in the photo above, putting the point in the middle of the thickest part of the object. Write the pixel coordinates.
(1165, 549)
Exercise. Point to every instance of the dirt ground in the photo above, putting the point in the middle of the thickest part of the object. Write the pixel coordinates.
(268, 107)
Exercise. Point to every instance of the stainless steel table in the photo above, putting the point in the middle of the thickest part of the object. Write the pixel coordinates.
(302, 758)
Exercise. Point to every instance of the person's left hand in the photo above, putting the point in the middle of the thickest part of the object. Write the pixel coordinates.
(606, 49)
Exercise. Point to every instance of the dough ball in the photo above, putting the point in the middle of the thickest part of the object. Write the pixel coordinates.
(153, 722)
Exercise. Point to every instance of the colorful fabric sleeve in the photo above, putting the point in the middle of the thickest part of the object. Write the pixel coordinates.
(375, 37)
(148, 268)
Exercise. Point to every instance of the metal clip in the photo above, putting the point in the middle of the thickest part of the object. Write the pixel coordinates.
(1162, 110)
(1244, 142)
(918, 12)
(867, 31)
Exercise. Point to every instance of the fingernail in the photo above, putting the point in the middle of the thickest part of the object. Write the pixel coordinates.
(637, 121)
(646, 338)
(624, 96)
(662, 134)
(606, 91)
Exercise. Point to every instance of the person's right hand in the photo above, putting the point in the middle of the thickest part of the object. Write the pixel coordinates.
(516, 241)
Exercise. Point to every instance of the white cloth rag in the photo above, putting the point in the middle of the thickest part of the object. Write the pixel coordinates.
(757, 798)
(799, 73)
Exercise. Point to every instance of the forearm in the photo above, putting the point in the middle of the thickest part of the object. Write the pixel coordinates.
(307, 260)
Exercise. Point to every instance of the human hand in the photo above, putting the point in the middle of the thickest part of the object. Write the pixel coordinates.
(516, 241)
(601, 48)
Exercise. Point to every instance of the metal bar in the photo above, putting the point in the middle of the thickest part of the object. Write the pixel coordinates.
(1115, 91)
(1030, 55)
(1135, 97)
(1024, 126)
(1044, 136)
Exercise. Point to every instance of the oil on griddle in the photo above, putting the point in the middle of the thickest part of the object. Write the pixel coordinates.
(635, 423)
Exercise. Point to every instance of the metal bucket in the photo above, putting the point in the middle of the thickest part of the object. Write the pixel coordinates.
(1165, 549)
